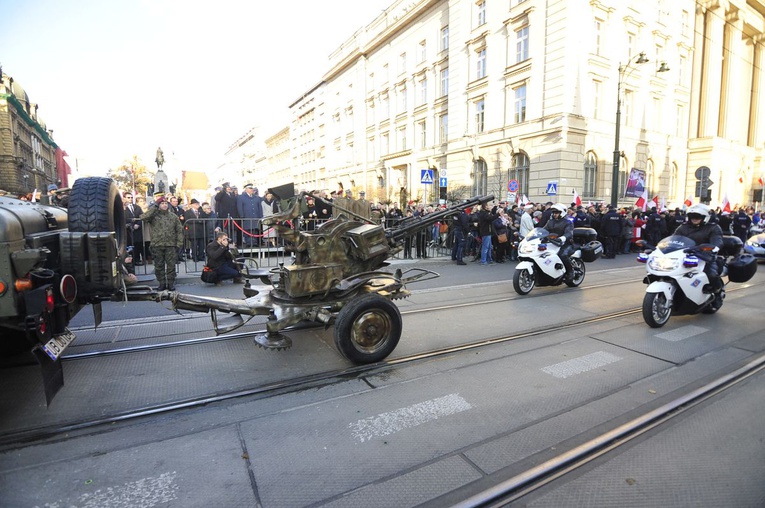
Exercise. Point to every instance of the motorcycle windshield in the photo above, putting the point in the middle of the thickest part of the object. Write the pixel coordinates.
(674, 243)
(537, 233)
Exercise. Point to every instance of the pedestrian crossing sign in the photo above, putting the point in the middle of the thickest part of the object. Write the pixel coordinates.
(426, 176)
(552, 188)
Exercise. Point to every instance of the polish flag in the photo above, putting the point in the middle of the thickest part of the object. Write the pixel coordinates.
(688, 202)
(760, 180)
(524, 200)
(663, 204)
(577, 199)
(642, 201)
(740, 179)
(655, 202)
(725, 204)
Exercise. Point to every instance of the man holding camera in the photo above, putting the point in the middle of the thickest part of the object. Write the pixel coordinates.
(220, 258)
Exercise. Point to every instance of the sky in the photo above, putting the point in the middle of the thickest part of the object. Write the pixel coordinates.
(119, 78)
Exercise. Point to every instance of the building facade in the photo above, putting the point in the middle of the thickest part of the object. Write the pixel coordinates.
(490, 91)
(29, 158)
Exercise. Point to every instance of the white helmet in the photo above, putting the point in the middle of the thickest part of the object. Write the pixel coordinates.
(699, 210)
(558, 208)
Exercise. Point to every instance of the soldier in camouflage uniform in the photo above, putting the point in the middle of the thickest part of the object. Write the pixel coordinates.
(166, 239)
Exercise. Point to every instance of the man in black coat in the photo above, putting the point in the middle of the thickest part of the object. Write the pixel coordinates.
(134, 227)
(655, 227)
(611, 230)
(741, 223)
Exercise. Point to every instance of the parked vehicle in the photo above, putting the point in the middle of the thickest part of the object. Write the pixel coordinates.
(540, 264)
(676, 280)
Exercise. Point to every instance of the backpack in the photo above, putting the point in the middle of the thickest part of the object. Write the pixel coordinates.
(209, 275)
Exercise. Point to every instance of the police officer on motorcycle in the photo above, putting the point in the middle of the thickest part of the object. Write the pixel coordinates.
(699, 229)
(564, 228)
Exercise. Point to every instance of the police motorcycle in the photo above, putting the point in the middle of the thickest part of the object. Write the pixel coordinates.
(677, 283)
(540, 264)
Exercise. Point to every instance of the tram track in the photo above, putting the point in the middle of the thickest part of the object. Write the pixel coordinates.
(515, 488)
(250, 333)
(292, 385)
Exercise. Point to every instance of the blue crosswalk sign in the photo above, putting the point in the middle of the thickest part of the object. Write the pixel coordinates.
(426, 176)
(552, 188)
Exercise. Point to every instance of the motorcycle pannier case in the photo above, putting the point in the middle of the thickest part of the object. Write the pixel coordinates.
(742, 268)
(732, 246)
(592, 251)
(584, 235)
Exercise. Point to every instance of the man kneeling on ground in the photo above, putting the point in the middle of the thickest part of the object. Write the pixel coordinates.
(220, 257)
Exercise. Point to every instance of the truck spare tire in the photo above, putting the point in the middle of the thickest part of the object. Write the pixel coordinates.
(95, 205)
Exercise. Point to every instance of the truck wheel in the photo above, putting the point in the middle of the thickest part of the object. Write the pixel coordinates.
(368, 329)
(95, 205)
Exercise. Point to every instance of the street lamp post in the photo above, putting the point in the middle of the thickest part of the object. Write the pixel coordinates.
(640, 59)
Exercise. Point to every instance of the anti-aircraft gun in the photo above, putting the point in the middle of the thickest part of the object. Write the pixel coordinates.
(336, 278)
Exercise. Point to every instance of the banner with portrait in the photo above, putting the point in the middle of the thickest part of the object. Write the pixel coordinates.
(635, 183)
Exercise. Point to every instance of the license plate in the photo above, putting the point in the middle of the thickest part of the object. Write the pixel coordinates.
(57, 344)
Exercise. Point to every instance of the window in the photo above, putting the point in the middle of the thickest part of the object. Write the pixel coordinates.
(479, 113)
(385, 144)
(520, 172)
(656, 113)
(672, 180)
(682, 70)
(649, 176)
(385, 107)
(371, 154)
(590, 175)
(423, 134)
(627, 107)
(402, 63)
(385, 76)
(423, 51)
(443, 128)
(631, 44)
(597, 30)
(520, 104)
(423, 91)
(401, 131)
(480, 13)
(402, 105)
(522, 44)
(445, 38)
(684, 18)
(371, 82)
(597, 91)
(444, 82)
(481, 63)
(680, 121)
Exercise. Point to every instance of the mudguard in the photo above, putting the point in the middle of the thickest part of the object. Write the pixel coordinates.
(525, 265)
(662, 286)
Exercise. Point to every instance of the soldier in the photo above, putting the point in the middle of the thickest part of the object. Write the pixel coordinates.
(362, 206)
(342, 204)
(166, 239)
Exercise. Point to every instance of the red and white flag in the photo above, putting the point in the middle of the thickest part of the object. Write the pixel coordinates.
(654, 202)
(524, 200)
(760, 180)
(663, 204)
(577, 199)
(725, 204)
(688, 202)
(642, 201)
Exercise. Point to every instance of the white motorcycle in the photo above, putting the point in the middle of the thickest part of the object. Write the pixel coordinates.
(676, 280)
(539, 263)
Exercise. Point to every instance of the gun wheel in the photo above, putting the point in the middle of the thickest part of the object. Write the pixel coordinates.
(275, 341)
(368, 329)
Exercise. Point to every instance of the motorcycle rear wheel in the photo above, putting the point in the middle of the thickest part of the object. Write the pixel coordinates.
(577, 265)
(656, 310)
(523, 282)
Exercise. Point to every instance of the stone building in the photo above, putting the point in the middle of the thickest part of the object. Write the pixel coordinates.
(29, 158)
(488, 91)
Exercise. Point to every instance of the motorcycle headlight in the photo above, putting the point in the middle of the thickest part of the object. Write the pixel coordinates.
(663, 264)
(526, 248)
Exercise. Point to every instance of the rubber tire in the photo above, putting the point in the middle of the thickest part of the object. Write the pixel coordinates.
(95, 206)
(651, 318)
(375, 316)
(577, 263)
(523, 282)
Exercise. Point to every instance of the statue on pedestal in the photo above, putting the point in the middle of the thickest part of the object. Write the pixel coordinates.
(160, 160)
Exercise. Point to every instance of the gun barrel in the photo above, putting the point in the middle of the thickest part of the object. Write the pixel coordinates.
(410, 226)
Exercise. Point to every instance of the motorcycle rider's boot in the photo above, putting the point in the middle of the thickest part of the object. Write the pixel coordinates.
(718, 301)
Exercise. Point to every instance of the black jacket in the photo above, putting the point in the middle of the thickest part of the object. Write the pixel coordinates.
(611, 224)
(703, 233)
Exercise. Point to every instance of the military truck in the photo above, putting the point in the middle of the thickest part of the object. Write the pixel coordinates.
(53, 262)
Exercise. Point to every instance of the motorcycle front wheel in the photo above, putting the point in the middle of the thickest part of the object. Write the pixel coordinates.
(656, 310)
(523, 282)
